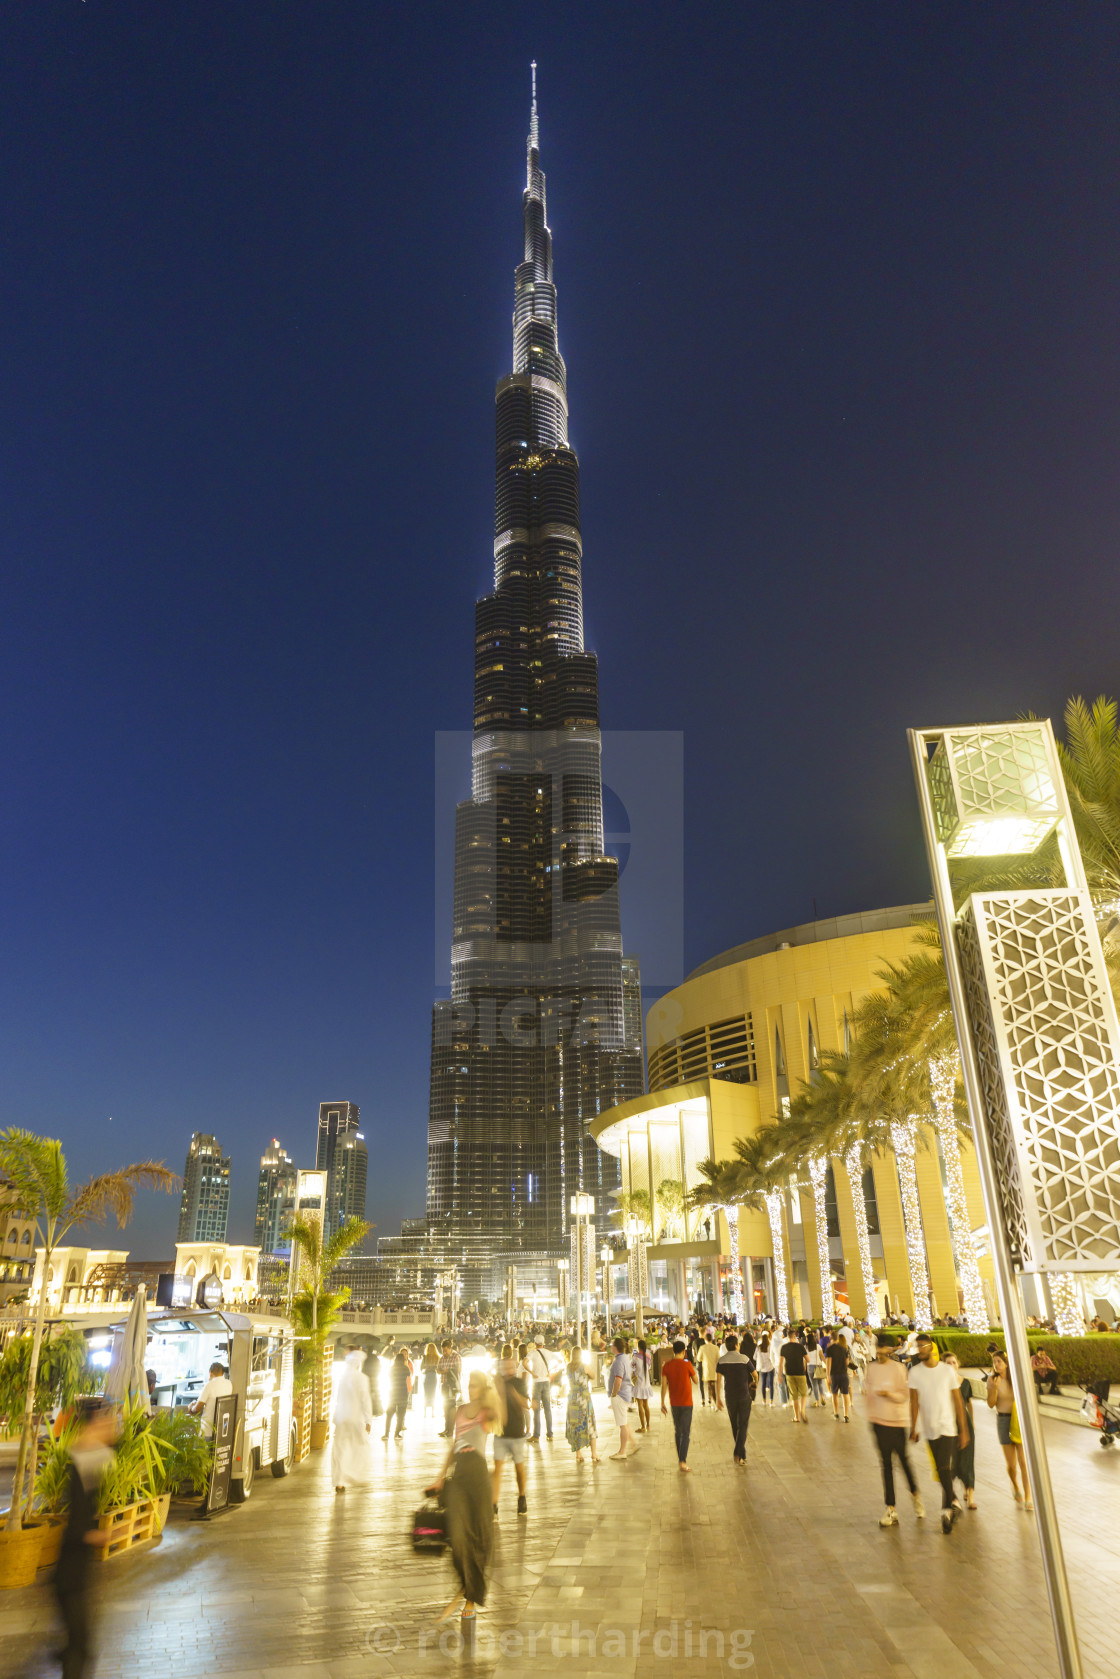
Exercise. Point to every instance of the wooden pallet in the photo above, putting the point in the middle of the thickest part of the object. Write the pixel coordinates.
(136, 1524)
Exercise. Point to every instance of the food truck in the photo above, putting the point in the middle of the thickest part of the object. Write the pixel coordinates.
(258, 1354)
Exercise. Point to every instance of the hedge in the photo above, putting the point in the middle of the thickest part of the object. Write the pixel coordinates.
(1079, 1358)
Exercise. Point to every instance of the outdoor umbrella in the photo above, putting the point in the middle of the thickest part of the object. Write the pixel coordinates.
(126, 1380)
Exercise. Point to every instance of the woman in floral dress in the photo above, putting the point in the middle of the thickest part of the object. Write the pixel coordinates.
(579, 1426)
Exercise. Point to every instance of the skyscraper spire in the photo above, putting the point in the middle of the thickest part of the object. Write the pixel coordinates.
(534, 133)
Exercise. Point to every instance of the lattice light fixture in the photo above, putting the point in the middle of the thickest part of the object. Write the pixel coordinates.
(732, 1216)
(993, 792)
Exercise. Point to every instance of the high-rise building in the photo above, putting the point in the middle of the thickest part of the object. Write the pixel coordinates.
(341, 1154)
(204, 1207)
(276, 1198)
(536, 1038)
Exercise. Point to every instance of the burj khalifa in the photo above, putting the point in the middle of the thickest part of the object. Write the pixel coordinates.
(542, 1028)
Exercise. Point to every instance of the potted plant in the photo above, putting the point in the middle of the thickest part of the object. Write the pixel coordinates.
(187, 1453)
(52, 1494)
(132, 1500)
(35, 1169)
(315, 1308)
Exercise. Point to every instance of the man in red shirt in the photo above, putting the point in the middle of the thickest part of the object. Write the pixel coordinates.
(677, 1379)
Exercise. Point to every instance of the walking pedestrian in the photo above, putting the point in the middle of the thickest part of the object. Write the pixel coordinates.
(1001, 1399)
(709, 1361)
(466, 1497)
(579, 1423)
(839, 1358)
(678, 1377)
(815, 1367)
(640, 1363)
(511, 1446)
(887, 1397)
(733, 1384)
(966, 1457)
(371, 1370)
(620, 1390)
(542, 1389)
(429, 1375)
(792, 1367)
(766, 1369)
(400, 1382)
(450, 1376)
(935, 1400)
(91, 1453)
(351, 1422)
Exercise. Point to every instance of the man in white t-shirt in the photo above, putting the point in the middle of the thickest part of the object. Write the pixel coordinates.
(216, 1388)
(935, 1402)
(536, 1366)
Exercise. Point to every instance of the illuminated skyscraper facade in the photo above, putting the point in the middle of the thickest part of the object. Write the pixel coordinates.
(536, 1038)
(276, 1199)
(340, 1152)
(204, 1204)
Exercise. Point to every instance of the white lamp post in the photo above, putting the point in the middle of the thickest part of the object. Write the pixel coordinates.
(638, 1265)
(1038, 1037)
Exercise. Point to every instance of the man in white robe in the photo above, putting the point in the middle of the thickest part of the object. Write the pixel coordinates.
(353, 1419)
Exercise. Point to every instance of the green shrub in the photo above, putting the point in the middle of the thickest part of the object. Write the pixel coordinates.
(186, 1452)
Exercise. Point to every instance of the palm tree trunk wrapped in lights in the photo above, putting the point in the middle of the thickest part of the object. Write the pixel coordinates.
(904, 1141)
(777, 1238)
(1067, 1313)
(853, 1165)
(732, 1216)
(818, 1177)
(943, 1082)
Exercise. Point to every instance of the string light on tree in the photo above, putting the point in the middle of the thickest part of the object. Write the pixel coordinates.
(904, 1138)
(943, 1081)
(1067, 1311)
(818, 1177)
(777, 1242)
(732, 1216)
(853, 1165)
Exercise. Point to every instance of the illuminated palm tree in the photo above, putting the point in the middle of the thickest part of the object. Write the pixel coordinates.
(827, 1119)
(722, 1192)
(919, 989)
(760, 1157)
(35, 1167)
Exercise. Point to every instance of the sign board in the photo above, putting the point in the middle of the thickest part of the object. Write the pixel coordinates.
(209, 1292)
(172, 1290)
(225, 1433)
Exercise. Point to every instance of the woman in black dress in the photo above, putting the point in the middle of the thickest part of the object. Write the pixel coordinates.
(467, 1495)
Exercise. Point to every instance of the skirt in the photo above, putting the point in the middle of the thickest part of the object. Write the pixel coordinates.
(470, 1523)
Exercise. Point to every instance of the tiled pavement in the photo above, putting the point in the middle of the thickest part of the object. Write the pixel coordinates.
(301, 1584)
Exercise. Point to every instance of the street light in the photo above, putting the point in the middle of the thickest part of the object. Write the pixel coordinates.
(583, 1211)
(1039, 1043)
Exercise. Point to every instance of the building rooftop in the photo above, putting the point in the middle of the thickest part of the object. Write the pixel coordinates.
(816, 932)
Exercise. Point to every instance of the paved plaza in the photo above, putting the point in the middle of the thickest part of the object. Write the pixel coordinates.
(781, 1567)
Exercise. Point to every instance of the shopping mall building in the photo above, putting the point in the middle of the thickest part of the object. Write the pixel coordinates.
(727, 1050)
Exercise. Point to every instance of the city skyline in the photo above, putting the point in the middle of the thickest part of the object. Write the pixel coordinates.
(837, 304)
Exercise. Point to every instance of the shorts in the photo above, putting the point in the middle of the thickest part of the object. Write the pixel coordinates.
(797, 1385)
(1003, 1427)
(618, 1409)
(840, 1384)
(509, 1451)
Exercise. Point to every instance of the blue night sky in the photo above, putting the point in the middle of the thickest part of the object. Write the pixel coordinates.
(838, 299)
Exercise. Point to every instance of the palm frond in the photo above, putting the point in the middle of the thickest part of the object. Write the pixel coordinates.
(114, 1193)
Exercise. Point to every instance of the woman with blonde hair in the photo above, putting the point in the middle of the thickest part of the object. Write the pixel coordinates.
(466, 1492)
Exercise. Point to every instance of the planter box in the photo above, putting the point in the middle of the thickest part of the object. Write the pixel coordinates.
(51, 1528)
(19, 1557)
(135, 1524)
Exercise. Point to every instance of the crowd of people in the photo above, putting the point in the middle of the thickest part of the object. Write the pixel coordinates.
(907, 1392)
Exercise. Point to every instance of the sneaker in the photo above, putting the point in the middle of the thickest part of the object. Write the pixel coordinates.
(946, 1521)
(522, 1506)
(919, 1507)
(890, 1519)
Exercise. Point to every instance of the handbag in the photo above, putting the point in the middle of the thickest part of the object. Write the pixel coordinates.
(429, 1529)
